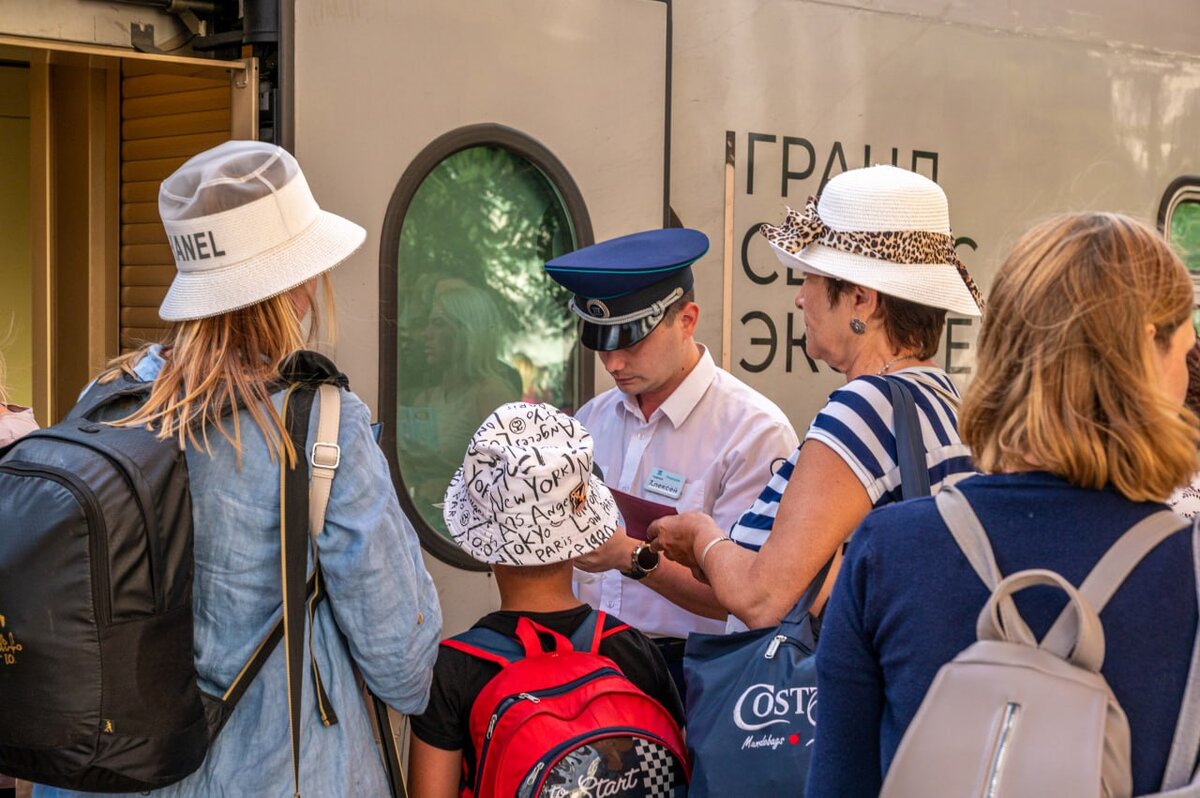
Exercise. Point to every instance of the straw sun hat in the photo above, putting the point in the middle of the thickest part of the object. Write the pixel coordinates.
(243, 227)
(526, 493)
(882, 228)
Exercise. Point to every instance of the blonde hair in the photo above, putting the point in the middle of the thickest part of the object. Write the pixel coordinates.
(1067, 376)
(215, 366)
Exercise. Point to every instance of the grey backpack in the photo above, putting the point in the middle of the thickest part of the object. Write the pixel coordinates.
(1010, 716)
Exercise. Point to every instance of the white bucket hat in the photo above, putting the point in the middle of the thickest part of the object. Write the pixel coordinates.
(243, 227)
(526, 494)
(883, 228)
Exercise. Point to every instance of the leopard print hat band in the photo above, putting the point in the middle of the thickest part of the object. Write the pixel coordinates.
(799, 230)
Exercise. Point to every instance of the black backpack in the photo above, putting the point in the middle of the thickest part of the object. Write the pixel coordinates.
(97, 673)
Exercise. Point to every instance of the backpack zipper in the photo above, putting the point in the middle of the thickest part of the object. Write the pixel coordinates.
(1011, 712)
(774, 647)
(536, 698)
(532, 784)
(97, 540)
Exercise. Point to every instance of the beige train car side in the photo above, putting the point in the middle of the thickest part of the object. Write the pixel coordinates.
(708, 113)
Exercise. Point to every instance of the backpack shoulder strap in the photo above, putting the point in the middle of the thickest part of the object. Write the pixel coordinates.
(910, 445)
(487, 644)
(1185, 746)
(972, 539)
(1111, 571)
(588, 635)
(968, 533)
(100, 395)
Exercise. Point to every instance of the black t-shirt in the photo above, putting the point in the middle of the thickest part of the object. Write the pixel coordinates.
(458, 677)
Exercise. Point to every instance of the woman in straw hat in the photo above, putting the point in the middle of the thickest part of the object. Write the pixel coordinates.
(1076, 419)
(880, 275)
(250, 242)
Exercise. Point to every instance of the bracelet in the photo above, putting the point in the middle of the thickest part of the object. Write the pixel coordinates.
(709, 545)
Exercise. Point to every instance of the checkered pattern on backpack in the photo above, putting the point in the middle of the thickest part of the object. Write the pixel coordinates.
(660, 770)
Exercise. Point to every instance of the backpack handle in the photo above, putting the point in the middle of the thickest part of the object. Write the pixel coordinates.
(1000, 620)
(529, 633)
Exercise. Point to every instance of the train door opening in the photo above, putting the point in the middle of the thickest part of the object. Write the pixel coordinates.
(16, 300)
(86, 134)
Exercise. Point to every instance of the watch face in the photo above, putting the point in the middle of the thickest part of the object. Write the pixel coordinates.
(647, 558)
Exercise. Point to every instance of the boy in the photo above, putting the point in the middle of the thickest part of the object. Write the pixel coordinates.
(526, 502)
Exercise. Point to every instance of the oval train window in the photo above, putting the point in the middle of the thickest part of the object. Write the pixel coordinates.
(470, 319)
(1179, 221)
(1184, 232)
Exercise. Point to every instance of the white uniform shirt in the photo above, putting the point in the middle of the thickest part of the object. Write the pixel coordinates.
(717, 433)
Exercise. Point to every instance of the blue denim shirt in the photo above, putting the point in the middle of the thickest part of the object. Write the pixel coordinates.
(381, 614)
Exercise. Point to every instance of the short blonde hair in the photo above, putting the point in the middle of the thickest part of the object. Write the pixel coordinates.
(1067, 375)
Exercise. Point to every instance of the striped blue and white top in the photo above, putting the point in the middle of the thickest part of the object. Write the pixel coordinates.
(858, 424)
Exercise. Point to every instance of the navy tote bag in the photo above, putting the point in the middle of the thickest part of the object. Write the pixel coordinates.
(752, 706)
(752, 696)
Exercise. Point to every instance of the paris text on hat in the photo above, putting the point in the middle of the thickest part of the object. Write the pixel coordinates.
(883, 228)
(243, 227)
(526, 493)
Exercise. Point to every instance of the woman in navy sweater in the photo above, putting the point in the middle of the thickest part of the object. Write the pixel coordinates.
(1076, 421)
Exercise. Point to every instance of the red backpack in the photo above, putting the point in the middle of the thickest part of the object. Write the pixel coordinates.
(567, 721)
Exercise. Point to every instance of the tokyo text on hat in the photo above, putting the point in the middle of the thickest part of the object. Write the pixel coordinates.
(526, 493)
(624, 286)
(243, 227)
(884, 228)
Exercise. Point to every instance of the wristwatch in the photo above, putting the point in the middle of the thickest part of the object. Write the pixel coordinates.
(643, 561)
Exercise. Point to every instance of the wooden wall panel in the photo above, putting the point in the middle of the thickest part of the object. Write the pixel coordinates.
(165, 119)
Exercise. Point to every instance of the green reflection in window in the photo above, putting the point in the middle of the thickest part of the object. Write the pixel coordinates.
(1185, 233)
(478, 322)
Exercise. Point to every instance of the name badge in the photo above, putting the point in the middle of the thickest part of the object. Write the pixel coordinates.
(665, 483)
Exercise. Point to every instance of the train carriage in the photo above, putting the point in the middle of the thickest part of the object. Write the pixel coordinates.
(475, 140)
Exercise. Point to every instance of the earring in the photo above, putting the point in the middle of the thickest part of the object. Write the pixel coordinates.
(857, 327)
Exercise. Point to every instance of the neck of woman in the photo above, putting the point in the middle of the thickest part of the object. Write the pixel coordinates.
(879, 358)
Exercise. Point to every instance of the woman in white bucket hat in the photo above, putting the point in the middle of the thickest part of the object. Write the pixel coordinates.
(248, 240)
(880, 275)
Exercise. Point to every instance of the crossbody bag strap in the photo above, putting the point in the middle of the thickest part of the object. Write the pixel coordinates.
(1111, 571)
(325, 459)
(326, 456)
(293, 536)
(910, 444)
(914, 483)
(1185, 746)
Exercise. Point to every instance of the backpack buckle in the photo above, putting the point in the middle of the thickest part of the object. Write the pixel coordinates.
(325, 455)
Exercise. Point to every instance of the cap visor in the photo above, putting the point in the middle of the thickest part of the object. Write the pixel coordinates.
(610, 337)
